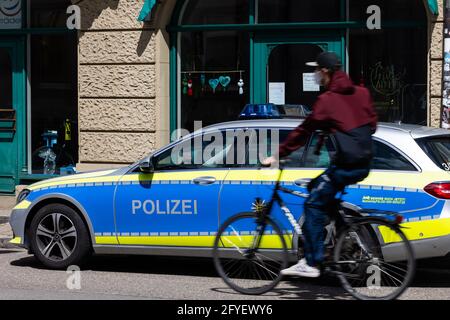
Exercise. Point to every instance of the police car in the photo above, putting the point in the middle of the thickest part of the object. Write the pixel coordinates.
(163, 206)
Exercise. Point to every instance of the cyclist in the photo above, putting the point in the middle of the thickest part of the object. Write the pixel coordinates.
(347, 112)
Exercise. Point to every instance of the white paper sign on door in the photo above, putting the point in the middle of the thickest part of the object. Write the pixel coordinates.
(277, 92)
(309, 83)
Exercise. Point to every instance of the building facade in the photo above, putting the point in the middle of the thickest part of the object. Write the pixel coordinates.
(114, 88)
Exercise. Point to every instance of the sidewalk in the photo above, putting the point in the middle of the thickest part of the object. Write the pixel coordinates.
(6, 204)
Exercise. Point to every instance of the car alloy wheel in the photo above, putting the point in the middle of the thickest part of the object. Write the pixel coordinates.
(56, 237)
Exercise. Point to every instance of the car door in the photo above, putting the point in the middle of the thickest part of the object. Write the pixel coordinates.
(384, 188)
(248, 187)
(177, 204)
(388, 186)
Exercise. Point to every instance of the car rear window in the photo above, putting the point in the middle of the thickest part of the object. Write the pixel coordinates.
(438, 149)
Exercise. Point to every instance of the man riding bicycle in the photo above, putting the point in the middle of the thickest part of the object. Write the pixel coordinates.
(346, 111)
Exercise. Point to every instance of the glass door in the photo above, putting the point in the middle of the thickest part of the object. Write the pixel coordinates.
(280, 74)
(12, 92)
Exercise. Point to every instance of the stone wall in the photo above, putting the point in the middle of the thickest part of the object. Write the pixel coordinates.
(435, 67)
(118, 116)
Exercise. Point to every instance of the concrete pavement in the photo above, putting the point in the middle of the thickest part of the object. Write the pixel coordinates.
(144, 277)
(6, 204)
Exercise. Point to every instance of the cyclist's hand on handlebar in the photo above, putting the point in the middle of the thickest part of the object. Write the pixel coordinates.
(268, 162)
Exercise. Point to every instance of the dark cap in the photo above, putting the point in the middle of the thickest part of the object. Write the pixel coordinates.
(327, 60)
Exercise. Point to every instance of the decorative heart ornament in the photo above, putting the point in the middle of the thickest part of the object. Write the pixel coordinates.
(224, 81)
(213, 83)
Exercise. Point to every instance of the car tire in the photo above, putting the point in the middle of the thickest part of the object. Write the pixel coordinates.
(62, 246)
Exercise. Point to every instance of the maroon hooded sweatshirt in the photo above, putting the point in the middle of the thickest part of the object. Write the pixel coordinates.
(347, 112)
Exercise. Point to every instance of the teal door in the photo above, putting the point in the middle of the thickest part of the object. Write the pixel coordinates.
(12, 106)
(280, 74)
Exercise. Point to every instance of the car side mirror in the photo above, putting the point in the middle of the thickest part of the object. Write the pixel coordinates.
(147, 166)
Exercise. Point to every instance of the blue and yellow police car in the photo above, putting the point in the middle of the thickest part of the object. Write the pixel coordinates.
(163, 206)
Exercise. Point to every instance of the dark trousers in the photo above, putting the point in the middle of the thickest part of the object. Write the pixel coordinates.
(323, 192)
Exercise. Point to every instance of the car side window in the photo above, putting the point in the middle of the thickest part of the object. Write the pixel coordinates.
(268, 142)
(210, 150)
(323, 160)
(386, 158)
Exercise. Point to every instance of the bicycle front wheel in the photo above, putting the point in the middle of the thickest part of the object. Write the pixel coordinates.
(374, 260)
(250, 252)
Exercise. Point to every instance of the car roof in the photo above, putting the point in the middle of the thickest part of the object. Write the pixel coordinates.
(416, 131)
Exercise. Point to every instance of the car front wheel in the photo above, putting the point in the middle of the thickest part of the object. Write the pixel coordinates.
(59, 237)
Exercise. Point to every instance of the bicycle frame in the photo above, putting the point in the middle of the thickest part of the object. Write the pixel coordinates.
(276, 198)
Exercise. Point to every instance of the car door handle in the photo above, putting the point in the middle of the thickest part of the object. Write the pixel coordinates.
(302, 182)
(204, 180)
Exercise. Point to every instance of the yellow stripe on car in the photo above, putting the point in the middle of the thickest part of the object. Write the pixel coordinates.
(81, 178)
(268, 241)
(376, 178)
(182, 241)
(176, 176)
(418, 230)
(16, 240)
(106, 240)
(25, 204)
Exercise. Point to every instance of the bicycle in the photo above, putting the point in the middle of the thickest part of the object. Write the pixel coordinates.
(365, 249)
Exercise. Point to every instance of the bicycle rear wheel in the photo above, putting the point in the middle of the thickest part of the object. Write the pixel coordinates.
(247, 263)
(374, 260)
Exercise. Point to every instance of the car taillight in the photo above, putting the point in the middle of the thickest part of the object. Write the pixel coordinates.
(440, 190)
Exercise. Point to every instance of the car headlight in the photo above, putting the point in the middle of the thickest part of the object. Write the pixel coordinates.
(22, 195)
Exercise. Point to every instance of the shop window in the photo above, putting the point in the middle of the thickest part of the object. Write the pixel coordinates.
(287, 62)
(392, 62)
(391, 10)
(214, 76)
(216, 12)
(54, 114)
(281, 11)
(6, 80)
(48, 13)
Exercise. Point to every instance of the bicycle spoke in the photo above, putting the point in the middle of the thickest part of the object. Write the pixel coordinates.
(253, 271)
(395, 272)
(387, 280)
(266, 269)
(389, 275)
(393, 266)
(265, 256)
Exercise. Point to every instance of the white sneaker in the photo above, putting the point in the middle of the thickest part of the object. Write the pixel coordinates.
(301, 269)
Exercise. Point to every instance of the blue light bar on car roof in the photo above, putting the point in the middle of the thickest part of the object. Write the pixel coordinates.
(260, 111)
(273, 111)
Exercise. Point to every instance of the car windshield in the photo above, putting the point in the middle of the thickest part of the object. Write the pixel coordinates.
(438, 149)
